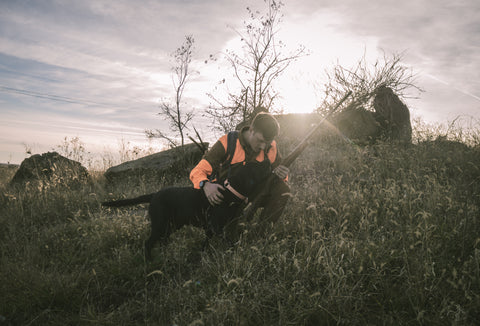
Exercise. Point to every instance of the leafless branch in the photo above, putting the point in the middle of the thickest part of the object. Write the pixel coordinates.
(261, 63)
(363, 80)
(175, 114)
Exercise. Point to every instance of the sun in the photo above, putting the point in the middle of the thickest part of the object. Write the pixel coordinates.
(296, 96)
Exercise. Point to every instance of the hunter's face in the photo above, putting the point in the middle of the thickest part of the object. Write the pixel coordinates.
(257, 141)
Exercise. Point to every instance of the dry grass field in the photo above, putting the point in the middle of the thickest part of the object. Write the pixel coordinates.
(378, 234)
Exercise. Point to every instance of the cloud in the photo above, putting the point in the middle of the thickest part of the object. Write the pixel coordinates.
(438, 38)
(122, 48)
(112, 58)
(441, 37)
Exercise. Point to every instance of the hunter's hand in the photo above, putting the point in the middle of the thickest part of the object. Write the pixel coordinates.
(281, 171)
(213, 194)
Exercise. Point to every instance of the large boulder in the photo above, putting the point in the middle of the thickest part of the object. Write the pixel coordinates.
(154, 166)
(393, 115)
(50, 170)
(389, 119)
(296, 125)
(357, 124)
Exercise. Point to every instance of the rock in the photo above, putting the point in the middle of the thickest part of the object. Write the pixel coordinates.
(297, 125)
(390, 120)
(357, 124)
(158, 164)
(393, 115)
(50, 170)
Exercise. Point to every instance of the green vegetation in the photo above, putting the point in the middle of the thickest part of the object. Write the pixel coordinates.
(378, 234)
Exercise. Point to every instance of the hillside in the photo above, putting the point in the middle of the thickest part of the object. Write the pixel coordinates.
(374, 234)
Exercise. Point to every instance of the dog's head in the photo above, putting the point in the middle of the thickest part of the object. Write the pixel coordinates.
(246, 178)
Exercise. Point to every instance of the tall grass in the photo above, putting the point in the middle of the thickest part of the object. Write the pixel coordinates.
(378, 234)
(75, 149)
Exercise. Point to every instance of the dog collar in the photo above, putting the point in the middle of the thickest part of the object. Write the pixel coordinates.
(233, 191)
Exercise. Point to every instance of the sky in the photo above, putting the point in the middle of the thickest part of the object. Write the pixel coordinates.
(99, 69)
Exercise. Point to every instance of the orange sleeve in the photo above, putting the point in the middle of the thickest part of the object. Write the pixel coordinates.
(210, 162)
(200, 172)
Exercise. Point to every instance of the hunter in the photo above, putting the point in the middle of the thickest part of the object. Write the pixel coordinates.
(253, 143)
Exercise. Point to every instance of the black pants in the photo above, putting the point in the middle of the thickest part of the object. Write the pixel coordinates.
(274, 201)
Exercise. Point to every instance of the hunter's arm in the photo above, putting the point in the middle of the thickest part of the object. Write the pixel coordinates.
(210, 162)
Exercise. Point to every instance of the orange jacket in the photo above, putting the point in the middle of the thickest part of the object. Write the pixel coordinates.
(213, 159)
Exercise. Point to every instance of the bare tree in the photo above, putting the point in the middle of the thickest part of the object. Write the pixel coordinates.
(261, 62)
(364, 81)
(173, 112)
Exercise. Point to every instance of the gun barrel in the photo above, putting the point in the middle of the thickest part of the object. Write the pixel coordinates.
(287, 161)
(249, 211)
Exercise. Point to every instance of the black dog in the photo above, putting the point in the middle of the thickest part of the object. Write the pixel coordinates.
(171, 208)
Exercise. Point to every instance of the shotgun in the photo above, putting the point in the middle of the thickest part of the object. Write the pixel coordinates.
(251, 208)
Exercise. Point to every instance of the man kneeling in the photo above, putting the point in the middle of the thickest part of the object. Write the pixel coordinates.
(254, 143)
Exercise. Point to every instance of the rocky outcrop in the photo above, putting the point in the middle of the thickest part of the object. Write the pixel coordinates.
(387, 119)
(50, 170)
(357, 124)
(157, 165)
(392, 115)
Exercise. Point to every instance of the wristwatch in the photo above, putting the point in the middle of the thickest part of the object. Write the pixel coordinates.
(202, 183)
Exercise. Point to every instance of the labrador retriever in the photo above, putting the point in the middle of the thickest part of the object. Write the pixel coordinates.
(173, 207)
